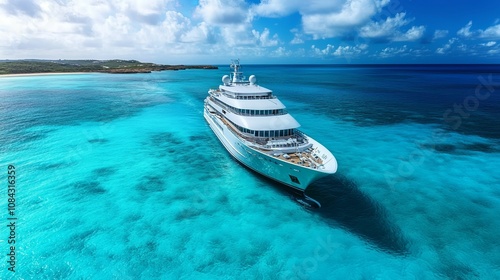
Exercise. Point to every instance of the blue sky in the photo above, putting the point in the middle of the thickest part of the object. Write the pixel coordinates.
(257, 31)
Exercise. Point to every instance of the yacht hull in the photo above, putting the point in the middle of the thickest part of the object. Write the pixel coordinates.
(294, 176)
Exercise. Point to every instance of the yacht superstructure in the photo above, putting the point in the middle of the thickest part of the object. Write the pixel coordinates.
(256, 129)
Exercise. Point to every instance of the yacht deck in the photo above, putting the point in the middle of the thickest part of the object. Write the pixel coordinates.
(305, 157)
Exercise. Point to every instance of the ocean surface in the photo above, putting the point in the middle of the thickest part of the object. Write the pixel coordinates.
(120, 177)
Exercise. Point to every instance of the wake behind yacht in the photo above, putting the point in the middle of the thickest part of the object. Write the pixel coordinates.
(256, 129)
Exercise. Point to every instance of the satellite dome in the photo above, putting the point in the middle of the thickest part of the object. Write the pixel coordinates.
(252, 79)
(226, 80)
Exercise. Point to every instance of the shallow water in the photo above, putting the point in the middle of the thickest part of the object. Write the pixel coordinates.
(119, 177)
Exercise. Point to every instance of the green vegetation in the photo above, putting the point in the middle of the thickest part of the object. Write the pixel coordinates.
(105, 66)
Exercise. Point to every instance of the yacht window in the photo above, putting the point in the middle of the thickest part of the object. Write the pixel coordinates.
(281, 132)
(272, 133)
(267, 133)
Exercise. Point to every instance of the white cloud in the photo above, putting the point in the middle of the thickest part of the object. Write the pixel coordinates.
(494, 51)
(413, 34)
(122, 29)
(403, 51)
(323, 52)
(383, 29)
(388, 30)
(296, 40)
(340, 51)
(157, 28)
(297, 37)
(94, 28)
(277, 8)
(223, 12)
(492, 32)
(465, 31)
(201, 33)
(389, 52)
(347, 51)
(323, 19)
(263, 38)
(489, 44)
(339, 20)
(281, 52)
(440, 34)
(447, 46)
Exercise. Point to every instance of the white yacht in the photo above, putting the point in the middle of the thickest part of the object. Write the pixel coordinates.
(256, 129)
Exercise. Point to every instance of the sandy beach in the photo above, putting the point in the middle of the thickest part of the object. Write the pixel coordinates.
(42, 74)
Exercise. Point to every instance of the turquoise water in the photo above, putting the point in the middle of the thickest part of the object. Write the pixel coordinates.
(119, 177)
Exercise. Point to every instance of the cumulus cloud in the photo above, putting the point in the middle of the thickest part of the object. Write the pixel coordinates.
(413, 34)
(390, 52)
(388, 30)
(491, 32)
(323, 19)
(489, 44)
(158, 28)
(297, 37)
(403, 51)
(223, 12)
(340, 51)
(446, 48)
(349, 51)
(281, 52)
(323, 52)
(440, 34)
(278, 8)
(26, 7)
(263, 38)
(102, 29)
(383, 29)
(337, 21)
(465, 31)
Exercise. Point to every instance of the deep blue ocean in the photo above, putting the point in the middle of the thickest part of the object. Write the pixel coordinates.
(120, 177)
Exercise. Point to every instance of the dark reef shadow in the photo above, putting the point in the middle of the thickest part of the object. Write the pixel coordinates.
(344, 205)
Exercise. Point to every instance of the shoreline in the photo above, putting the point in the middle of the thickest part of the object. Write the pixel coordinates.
(43, 74)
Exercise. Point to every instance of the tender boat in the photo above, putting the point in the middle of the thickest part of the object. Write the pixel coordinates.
(256, 129)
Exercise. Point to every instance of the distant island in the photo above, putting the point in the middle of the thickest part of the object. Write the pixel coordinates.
(103, 66)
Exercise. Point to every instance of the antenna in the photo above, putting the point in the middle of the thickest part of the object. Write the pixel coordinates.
(236, 75)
